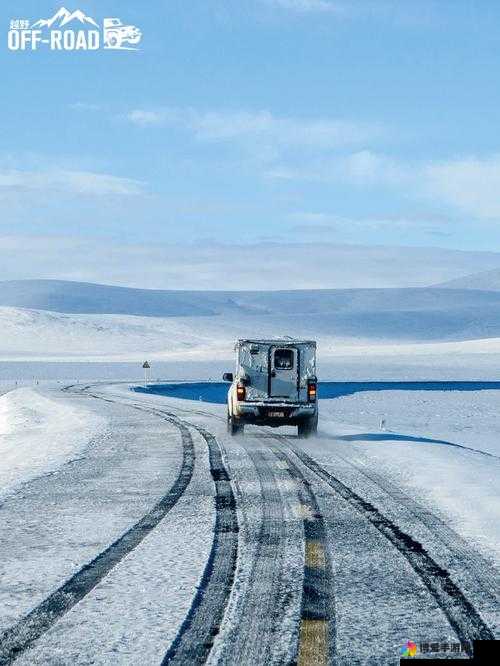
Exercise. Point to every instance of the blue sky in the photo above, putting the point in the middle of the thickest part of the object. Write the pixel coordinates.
(247, 121)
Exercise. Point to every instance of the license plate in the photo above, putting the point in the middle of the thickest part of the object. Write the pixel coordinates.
(276, 415)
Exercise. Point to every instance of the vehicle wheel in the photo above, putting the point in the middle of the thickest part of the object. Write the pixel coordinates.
(233, 427)
(114, 41)
(308, 428)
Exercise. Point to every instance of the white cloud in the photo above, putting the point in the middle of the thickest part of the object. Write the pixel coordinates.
(304, 149)
(207, 265)
(84, 183)
(319, 134)
(471, 184)
(361, 168)
(147, 118)
(84, 106)
(366, 167)
(262, 126)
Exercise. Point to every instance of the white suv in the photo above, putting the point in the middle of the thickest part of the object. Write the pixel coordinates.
(275, 384)
(116, 34)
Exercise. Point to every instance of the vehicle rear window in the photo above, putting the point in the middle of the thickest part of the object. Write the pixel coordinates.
(283, 359)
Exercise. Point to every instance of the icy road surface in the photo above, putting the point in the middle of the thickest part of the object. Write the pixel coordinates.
(166, 541)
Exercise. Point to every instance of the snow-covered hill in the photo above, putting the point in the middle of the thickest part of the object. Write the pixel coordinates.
(36, 334)
(63, 320)
(81, 297)
(85, 298)
(279, 264)
(484, 281)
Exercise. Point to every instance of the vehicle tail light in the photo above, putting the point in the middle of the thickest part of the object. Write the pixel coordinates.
(311, 391)
(241, 392)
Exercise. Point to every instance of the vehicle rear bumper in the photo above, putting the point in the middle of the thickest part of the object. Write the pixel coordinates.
(273, 413)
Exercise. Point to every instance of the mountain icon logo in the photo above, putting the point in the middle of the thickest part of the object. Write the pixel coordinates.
(73, 31)
(63, 17)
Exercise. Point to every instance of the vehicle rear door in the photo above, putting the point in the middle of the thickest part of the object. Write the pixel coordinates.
(283, 375)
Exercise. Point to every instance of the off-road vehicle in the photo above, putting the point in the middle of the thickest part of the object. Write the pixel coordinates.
(274, 384)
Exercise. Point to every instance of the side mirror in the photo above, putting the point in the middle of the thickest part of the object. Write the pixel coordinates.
(228, 377)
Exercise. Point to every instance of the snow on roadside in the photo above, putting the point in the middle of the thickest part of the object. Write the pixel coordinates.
(466, 418)
(420, 449)
(38, 434)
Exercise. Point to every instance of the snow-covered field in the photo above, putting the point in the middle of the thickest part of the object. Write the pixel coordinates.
(54, 346)
(30, 335)
(443, 447)
(38, 434)
(70, 331)
(469, 418)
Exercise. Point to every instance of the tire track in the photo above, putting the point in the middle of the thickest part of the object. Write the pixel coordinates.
(261, 608)
(459, 611)
(18, 638)
(197, 634)
(202, 624)
(317, 630)
(483, 577)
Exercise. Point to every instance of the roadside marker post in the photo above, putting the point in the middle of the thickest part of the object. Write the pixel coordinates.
(147, 373)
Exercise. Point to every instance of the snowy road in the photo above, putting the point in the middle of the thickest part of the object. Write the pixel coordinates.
(166, 541)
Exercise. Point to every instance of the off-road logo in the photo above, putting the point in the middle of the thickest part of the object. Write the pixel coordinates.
(72, 31)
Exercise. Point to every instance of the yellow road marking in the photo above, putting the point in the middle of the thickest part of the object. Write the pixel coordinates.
(315, 555)
(313, 643)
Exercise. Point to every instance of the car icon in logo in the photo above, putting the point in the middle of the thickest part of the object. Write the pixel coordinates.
(116, 34)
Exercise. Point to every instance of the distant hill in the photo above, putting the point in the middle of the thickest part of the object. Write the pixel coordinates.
(265, 265)
(484, 281)
(86, 298)
(43, 317)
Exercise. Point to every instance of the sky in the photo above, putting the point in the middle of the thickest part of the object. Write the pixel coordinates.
(250, 122)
